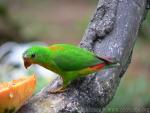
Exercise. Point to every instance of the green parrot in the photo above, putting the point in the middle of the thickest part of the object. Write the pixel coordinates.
(69, 61)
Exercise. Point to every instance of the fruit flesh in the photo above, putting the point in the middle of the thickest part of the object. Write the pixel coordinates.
(13, 94)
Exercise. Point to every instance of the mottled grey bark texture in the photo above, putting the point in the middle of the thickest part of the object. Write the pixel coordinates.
(112, 32)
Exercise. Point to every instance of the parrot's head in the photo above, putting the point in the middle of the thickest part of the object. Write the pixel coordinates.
(35, 55)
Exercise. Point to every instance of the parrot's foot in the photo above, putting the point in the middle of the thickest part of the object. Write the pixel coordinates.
(58, 90)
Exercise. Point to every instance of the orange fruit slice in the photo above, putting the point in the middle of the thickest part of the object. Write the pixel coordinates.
(13, 94)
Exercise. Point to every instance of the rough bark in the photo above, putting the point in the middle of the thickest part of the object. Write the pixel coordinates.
(112, 32)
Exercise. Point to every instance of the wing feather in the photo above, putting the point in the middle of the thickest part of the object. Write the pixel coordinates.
(71, 58)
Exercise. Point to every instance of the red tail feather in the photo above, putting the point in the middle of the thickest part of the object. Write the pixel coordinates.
(97, 67)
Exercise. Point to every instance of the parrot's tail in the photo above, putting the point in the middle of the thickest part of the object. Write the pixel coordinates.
(104, 65)
(97, 67)
(109, 62)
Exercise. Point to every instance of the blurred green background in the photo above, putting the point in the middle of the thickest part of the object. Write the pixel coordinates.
(64, 21)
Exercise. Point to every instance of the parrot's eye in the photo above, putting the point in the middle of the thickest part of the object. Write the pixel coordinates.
(33, 55)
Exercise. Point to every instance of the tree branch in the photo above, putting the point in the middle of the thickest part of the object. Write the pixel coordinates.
(112, 32)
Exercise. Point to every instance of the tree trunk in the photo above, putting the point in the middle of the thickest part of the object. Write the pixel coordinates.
(112, 32)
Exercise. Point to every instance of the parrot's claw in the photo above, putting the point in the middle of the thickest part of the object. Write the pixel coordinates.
(58, 90)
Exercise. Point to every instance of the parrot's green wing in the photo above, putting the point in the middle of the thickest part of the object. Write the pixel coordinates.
(70, 58)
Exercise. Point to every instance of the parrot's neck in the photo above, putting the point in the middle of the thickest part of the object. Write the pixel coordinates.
(52, 67)
(45, 60)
